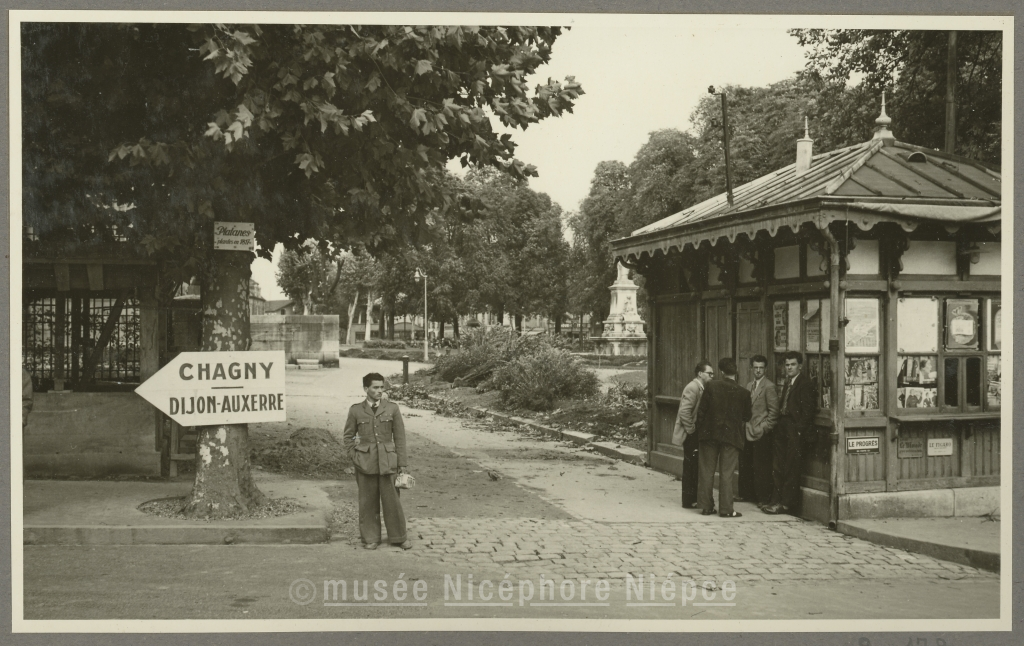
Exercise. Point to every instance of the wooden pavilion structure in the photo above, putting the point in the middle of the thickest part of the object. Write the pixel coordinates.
(881, 264)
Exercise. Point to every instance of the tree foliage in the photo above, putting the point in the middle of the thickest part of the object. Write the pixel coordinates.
(515, 254)
(912, 65)
(331, 132)
(602, 217)
(309, 276)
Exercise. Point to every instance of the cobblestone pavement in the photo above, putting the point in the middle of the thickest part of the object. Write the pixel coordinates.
(778, 552)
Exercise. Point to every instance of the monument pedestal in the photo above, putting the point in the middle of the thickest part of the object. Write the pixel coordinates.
(623, 329)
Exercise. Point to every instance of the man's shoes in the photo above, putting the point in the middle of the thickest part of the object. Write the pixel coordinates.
(407, 545)
(370, 546)
(708, 512)
(775, 509)
(734, 514)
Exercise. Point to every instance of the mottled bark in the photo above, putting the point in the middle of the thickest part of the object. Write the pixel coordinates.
(224, 484)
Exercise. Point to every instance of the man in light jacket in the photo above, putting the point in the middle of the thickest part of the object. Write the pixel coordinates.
(684, 435)
(756, 458)
(374, 439)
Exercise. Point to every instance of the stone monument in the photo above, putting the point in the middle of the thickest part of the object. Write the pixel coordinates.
(623, 329)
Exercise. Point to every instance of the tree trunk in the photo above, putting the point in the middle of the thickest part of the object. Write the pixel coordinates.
(381, 332)
(223, 485)
(391, 324)
(455, 326)
(440, 329)
(519, 323)
(352, 308)
(558, 325)
(369, 315)
(501, 317)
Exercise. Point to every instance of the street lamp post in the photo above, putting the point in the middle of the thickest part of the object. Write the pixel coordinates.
(426, 354)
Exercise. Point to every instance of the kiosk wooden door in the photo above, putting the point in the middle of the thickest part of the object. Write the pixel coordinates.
(717, 332)
(750, 336)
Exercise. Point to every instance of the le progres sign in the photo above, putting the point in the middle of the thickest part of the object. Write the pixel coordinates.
(208, 388)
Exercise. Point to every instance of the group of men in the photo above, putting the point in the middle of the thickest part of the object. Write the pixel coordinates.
(722, 425)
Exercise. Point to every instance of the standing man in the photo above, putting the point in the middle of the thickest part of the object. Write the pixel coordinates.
(796, 415)
(684, 435)
(756, 459)
(374, 440)
(721, 425)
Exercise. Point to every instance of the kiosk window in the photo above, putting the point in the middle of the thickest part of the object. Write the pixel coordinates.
(952, 384)
(972, 382)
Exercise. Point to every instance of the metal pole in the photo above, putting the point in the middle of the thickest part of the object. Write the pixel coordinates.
(725, 132)
(426, 353)
(951, 95)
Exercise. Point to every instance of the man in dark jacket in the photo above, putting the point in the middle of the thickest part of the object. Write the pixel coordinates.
(798, 404)
(374, 439)
(721, 424)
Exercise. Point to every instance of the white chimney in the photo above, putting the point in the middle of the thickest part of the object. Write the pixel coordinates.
(804, 152)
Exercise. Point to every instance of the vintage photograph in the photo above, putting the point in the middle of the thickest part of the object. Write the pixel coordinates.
(551, 318)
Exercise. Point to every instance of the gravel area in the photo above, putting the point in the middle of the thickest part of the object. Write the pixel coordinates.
(172, 508)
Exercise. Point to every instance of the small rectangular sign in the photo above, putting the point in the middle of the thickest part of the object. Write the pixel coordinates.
(910, 447)
(940, 446)
(234, 236)
(863, 444)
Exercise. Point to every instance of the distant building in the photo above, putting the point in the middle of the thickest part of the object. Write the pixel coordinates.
(284, 308)
(257, 304)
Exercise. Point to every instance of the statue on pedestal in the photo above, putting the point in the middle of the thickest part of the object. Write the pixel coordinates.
(623, 329)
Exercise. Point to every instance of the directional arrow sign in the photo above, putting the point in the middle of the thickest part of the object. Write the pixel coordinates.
(207, 388)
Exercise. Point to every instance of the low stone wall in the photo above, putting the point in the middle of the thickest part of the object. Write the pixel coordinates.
(91, 435)
(301, 337)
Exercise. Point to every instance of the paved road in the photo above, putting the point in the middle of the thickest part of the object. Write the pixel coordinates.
(614, 521)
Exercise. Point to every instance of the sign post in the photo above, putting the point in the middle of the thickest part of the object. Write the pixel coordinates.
(211, 388)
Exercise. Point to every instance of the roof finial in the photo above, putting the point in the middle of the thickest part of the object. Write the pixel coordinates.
(882, 123)
(807, 132)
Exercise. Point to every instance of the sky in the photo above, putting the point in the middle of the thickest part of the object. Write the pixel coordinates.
(640, 74)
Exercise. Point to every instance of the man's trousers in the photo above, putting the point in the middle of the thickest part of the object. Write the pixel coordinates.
(376, 491)
(786, 465)
(725, 457)
(690, 470)
(756, 480)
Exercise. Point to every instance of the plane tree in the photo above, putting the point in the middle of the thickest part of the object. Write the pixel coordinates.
(140, 136)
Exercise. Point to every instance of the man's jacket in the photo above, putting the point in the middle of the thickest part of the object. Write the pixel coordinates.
(802, 402)
(688, 403)
(723, 413)
(764, 407)
(375, 443)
